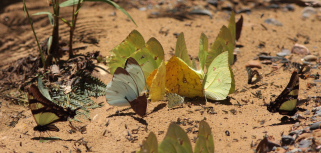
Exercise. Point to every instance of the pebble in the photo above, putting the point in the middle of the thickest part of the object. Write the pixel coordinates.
(308, 11)
(273, 21)
(309, 58)
(305, 143)
(296, 150)
(315, 126)
(284, 52)
(300, 49)
(296, 132)
(290, 7)
(254, 64)
(287, 140)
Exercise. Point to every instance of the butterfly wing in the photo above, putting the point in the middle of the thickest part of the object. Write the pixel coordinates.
(136, 72)
(253, 76)
(123, 88)
(287, 101)
(45, 112)
(126, 86)
(139, 105)
(42, 114)
(174, 100)
(219, 80)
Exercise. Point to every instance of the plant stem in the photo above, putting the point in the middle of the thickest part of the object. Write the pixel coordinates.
(73, 27)
(54, 49)
(43, 58)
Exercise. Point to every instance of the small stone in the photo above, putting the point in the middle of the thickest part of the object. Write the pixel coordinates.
(305, 143)
(309, 58)
(308, 11)
(315, 126)
(55, 69)
(273, 21)
(304, 136)
(290, 7)
(254, 64)
(287, 140)
(300, 49)
(285, 52)
(296, 132)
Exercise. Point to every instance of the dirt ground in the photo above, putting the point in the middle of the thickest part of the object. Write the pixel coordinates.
(108, 132)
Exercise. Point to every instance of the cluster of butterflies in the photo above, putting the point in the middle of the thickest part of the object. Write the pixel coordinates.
(127, 89)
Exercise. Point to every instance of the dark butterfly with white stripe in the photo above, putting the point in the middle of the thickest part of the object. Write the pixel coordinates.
(301, 68)
(286, 102)
(126, 87)
(253, 76)
(45, 112)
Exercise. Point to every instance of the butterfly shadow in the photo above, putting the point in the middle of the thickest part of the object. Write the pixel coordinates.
(196, 100)
(140, 120)
(46, 138)
(131, 114)
(158, 107)
(285, 121)
(118, 113)
(226, 101)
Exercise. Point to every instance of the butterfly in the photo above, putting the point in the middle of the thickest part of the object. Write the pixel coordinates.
(174, 100)
(287, 101)
(301, 68)
(253, 76)
(45, 112)
(219, 79)
(126, 87)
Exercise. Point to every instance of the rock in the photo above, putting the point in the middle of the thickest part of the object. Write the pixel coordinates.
(213, 2)
(309, 58)
(287, 140)
(290, 7)
(296, 150)
(315, 126)
(254, 64)
(300, 49)
(273, 21)
(296, 132)
(308, 11)
(285, 52)
(305, 143)
(304, 136)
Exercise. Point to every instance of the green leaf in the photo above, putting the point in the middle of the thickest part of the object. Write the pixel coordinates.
(49, 42)
(74, 2)
(150, 145)
(181, 50)
(202, 55)
(133, 42)
(70, 3)
(50, 16)
(116, 6)
(175, 141)
(205, 140)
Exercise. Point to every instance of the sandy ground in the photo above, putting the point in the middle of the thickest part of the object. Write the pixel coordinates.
(247, 125)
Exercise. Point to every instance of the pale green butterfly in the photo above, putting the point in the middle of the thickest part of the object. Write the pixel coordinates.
(219, 79)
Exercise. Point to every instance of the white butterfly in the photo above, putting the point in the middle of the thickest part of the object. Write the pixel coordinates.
(126, 87)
